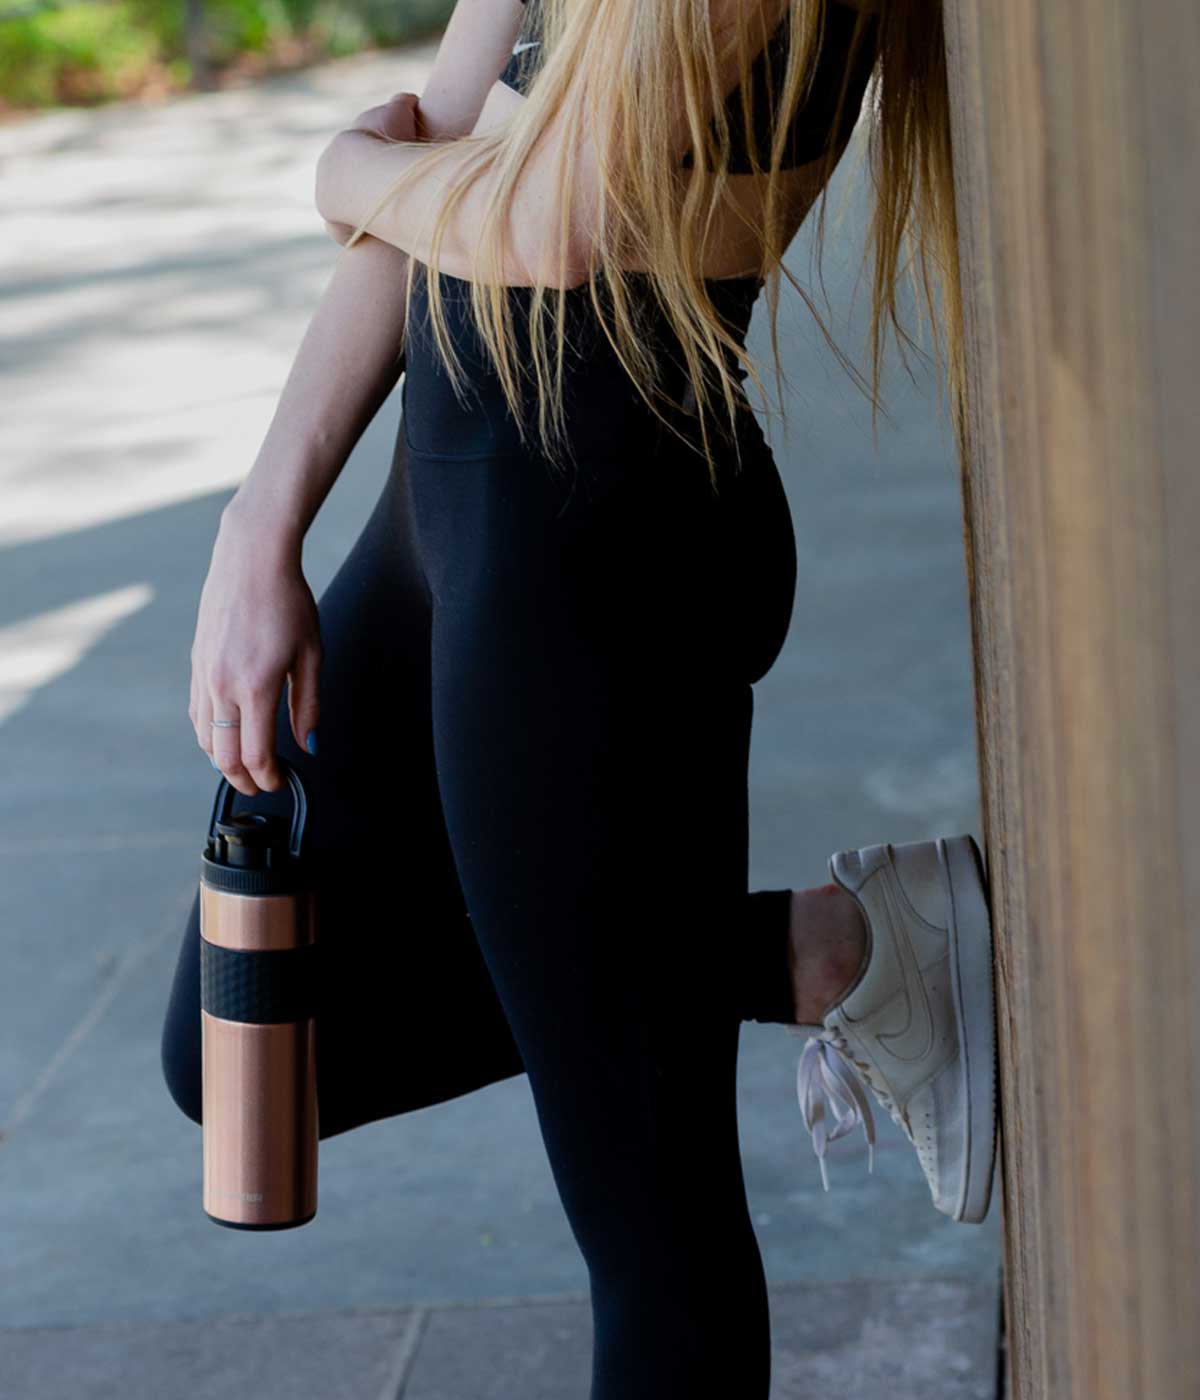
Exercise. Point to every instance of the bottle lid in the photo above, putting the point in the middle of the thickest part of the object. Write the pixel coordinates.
(252, 840)
(255, 852)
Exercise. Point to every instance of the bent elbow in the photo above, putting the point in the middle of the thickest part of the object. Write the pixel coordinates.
(555, 245)
(560, 271)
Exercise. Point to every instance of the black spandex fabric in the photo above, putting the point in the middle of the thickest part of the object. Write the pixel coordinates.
(813, 129)
(528, 819)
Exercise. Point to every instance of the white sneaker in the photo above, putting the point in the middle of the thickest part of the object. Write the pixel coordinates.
(918, 1023)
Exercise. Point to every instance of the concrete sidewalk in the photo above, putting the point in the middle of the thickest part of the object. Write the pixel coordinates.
(159, 266)
(842, 1341)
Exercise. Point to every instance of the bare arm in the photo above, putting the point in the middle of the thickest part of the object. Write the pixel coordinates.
(349, 359)
(356, 169)
(347, 363)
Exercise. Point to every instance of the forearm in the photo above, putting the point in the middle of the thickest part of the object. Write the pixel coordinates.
(356, 169)
(348, 361)
(347, 364)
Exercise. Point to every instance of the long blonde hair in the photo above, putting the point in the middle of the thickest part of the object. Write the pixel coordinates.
(654, 213)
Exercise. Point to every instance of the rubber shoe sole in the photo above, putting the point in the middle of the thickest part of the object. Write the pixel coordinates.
(972, 963)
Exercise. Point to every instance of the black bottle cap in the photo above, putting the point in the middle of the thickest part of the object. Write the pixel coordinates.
(252, 840)
(255, 852)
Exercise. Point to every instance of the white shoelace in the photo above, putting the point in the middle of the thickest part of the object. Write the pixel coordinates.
(826, 1069)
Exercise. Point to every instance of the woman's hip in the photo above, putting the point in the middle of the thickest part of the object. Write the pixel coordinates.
(624, 531)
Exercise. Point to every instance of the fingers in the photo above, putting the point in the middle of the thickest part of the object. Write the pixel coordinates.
(227, 747)
(199, 721)
(394, 120)
(398, 118)
(258, 737)
(304, 696)
(245, 751)
(202, 721)
(238, 672)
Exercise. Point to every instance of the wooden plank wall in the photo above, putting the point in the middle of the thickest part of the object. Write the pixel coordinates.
(1076, 151)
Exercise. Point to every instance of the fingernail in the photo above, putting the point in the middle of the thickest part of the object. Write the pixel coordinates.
(213, 761)
(310, 742)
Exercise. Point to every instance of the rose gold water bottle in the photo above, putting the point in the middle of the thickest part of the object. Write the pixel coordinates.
(258, 984)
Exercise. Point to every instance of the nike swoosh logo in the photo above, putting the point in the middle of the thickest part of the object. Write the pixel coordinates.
(918, 1027)
(520, 48)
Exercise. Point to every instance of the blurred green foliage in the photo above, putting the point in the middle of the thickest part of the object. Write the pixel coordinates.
(65, 52)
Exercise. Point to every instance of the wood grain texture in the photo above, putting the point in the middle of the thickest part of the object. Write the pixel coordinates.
(1076, 135)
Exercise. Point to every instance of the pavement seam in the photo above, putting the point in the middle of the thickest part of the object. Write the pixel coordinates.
(494, 1302)
(406, 1354)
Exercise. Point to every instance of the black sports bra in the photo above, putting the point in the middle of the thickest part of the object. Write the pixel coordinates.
(812, 130)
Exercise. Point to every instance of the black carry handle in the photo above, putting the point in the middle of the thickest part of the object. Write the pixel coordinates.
(224, 801)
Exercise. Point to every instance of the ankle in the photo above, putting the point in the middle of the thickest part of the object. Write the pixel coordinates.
(826, 949)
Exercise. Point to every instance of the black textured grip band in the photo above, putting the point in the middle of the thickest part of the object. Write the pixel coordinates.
(260, 988)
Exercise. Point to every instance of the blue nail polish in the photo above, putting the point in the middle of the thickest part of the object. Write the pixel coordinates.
(310, 742)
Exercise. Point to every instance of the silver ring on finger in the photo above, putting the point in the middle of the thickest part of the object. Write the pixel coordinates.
(226, 723)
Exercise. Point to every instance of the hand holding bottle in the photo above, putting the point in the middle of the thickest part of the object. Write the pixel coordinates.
(257, 627)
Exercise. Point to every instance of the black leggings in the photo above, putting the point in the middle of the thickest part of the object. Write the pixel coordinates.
(529, 818)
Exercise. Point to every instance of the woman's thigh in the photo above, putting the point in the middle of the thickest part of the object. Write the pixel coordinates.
(408, 1013)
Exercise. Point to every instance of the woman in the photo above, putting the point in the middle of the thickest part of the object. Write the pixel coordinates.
(533, 670)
